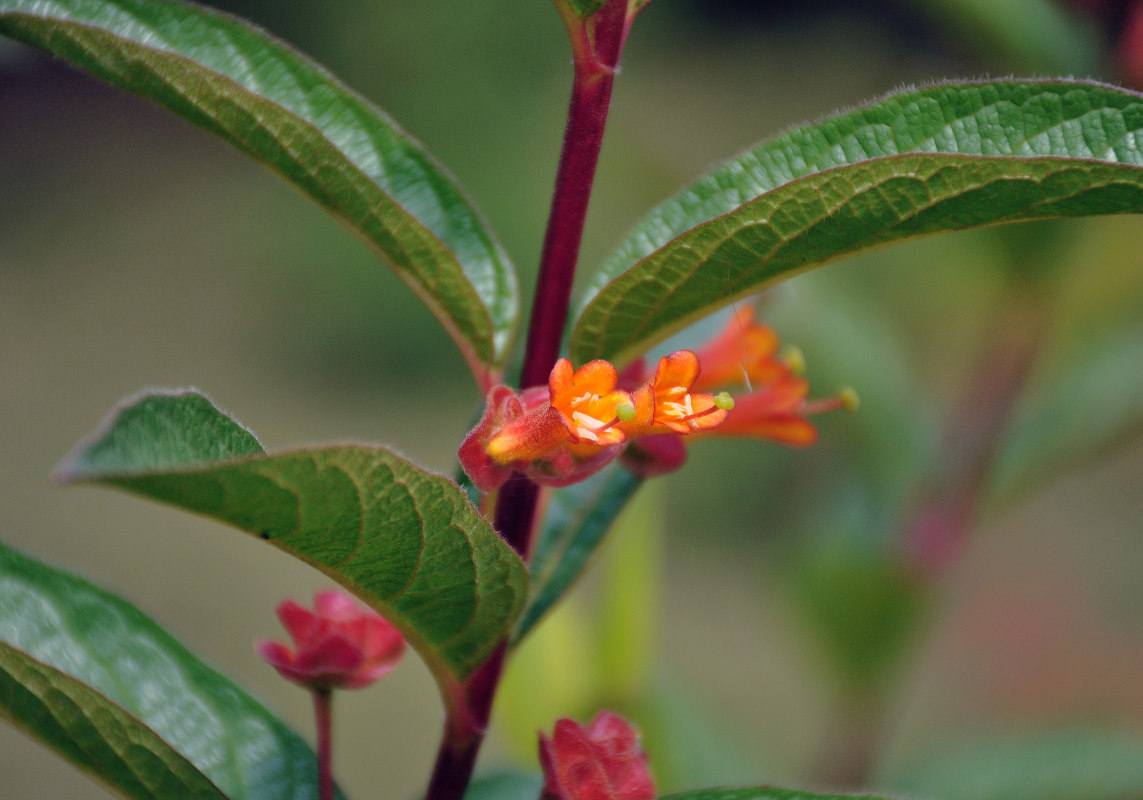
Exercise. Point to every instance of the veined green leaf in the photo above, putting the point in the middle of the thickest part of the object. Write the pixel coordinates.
(92, 677)
(94, 733)
(288, 113)
(403, 540)
(577, 519)
(942, 158)
(763, 793)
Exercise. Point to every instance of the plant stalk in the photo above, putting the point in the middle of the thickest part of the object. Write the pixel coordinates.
(596, 46)
(323, 719)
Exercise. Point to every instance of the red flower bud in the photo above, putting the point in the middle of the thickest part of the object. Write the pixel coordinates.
(600, 762)
(339, 645)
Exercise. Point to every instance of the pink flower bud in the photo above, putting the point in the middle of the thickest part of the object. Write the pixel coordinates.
(339, 645)
(600, 762)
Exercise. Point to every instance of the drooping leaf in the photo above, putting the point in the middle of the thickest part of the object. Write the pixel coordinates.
(92, 677)
(1062, 765)
(1086, 405)
(403, 540)
(577, 519)
(763, 793)
(924, 161)
(288, 113)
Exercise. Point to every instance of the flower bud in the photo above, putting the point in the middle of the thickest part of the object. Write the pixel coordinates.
(602, 761)
(338, 645)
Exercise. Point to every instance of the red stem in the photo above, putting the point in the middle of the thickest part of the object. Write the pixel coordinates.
(596, 45)
(323, 718)
(948, 500)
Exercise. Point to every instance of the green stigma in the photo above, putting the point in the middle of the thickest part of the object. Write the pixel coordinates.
(723, 401)
(625, 412)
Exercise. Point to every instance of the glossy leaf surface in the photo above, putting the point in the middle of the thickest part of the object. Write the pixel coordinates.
(93, 733)
(288, 113)
(92, 677)
(943, 158)
(577, 519)
(404, 540)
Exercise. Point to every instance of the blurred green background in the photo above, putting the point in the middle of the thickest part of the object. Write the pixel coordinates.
(136, 251)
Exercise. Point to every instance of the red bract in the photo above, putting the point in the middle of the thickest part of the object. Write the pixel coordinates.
(339, 645)
(600, 762)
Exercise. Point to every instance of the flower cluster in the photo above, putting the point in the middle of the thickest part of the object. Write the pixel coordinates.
(602, 761)
(338, 645)
(564, 432)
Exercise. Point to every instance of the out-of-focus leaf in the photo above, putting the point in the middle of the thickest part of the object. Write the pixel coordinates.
(582, 8)
(861, 604)
(1085, 406)
(505, 786)
(91, 676)
(404, 540)
(93, 733)
(1042, 36)
(943, 158)
(288, 113)
(630, 596)
(577, 519)
(763, 793)
(1078, 765)
(691, 744)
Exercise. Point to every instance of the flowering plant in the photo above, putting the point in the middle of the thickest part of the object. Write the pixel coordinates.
(576, 417)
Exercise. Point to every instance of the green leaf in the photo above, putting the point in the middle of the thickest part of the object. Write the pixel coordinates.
(1069, 765)
(1039, 35)
(505, 786)
(1084, 406)
(93, 733)
(764, 793)
(862, 604)
(582, 8)
(91, 676)
(404, 540)
(575, 524)
(288, 113)
(943, 158)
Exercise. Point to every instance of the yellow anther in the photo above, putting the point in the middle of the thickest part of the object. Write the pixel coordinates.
(849, 399)
(795, 359)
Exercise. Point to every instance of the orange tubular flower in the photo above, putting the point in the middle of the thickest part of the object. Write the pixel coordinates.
(774, 412)
(567, 431)
(743, 348)
(667, 404)
(588, 402)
